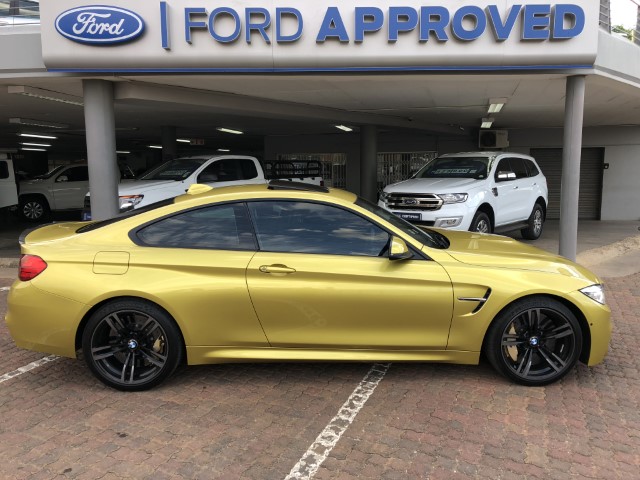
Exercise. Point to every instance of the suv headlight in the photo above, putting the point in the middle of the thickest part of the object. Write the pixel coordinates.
(129, 202)
(595, 292)
(454, 197)
(384, 197)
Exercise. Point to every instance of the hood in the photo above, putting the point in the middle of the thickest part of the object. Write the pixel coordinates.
(433, 185)
(136, 187)
(496, 251)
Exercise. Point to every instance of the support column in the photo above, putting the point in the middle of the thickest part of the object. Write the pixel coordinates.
(369, 162)
(571, 154)
(169, 143)
(100, 125)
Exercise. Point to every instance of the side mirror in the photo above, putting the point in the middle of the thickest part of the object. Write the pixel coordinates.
(62, 178)
(504, 176)
(398, 250)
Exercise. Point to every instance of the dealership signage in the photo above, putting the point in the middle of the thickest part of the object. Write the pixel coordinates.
(264, 35)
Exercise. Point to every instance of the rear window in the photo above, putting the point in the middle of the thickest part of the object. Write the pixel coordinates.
(123, 216)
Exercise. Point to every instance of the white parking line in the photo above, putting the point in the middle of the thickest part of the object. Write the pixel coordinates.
(27, 368)
(5, 289)
(319, 450)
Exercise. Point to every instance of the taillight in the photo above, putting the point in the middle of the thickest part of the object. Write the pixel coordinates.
(30, 267)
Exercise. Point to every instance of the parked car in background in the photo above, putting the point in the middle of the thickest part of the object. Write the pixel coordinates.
(296, 272)
(8, 186)
(475, 191)
(174, 177)
(63, 188)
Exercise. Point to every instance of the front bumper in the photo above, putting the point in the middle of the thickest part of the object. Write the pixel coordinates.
(459, 213)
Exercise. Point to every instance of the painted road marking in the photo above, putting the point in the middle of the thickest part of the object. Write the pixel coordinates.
(5, 289)
(27, 368)
(319, 450)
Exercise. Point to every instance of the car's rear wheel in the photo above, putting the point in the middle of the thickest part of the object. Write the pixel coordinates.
(131, 345)
(534, 224)
(535, 341)
(34, 208)
(480, 223)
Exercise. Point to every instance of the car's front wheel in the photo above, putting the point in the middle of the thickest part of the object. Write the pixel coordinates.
(131, 345)
(534, 341)
(480, 223)
(34, 208)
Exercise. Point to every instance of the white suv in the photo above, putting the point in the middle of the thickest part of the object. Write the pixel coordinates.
(476, 191)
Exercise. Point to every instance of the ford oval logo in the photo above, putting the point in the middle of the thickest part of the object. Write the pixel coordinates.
(100, 25)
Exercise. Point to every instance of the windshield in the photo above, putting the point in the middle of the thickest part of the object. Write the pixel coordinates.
(50, 173)
(178, 169)
(456, 167)
(425, 236)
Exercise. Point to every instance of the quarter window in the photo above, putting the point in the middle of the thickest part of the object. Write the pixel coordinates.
(221, 227)
(228, 170)
(304, 227)
(518, 167)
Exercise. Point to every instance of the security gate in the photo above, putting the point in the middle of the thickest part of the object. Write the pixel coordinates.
(394, 167)
(334, 166)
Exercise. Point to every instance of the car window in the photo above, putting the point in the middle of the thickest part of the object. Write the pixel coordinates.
(503, 166)
(306, 227)
(533, 170)
(518, 167)
(178, 169)
(76, 174)
(228, 170)
(4, 170)
(220, 227)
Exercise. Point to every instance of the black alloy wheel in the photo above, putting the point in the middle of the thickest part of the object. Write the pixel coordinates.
(34, 208)
(480, 223)
(534, 224)
(131, 345)
(535, 341)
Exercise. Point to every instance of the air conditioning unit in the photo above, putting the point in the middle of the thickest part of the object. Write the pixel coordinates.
(493, 139)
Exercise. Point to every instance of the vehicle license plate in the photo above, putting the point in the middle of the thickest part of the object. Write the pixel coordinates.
(410, 216)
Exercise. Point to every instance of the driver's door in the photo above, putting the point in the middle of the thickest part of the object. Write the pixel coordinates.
(323, 279)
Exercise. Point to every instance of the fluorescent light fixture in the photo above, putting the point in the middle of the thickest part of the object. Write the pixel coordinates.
(344, 128)
(487, 122)
(228, 130)
(36, 123)
(35, 144)
(45, 95)
(34, 149)
(33, 135)
(496, 104)
(183, 140)
(123, 151)
(155, 146)
(224, 150)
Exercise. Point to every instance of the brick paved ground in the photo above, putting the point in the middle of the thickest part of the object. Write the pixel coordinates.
(256, 421)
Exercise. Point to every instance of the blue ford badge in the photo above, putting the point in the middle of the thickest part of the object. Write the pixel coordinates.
(99, 25)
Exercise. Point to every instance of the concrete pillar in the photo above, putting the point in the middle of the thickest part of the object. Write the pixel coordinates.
(369, 162)
(169, 143)
(100, 125)
(571, 154)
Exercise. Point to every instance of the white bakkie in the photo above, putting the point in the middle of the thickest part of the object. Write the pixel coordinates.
(476, 191)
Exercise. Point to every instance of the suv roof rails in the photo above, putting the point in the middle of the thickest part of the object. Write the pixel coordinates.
(300, 186)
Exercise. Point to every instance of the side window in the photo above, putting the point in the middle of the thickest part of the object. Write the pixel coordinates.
(220, 227)
(4, 170)
(228, 170)
(503, 166)
(248, 168)
(518, 167)
(533, 170)
(76, 174)
(303, 227)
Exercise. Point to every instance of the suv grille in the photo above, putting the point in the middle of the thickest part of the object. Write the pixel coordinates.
(414, 201)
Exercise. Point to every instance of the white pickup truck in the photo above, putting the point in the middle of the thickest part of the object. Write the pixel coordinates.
(476, 191)
(174, 178)
(8, 187)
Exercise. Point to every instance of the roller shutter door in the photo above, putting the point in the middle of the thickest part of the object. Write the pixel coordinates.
(591, 165)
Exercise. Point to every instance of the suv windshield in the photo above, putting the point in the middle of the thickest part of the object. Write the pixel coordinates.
(177, 169)
(456, 167)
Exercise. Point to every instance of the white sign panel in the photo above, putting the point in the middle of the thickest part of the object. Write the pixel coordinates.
(304, 35)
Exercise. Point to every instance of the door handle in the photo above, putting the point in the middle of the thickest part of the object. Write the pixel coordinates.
(515, 188)
(277, 269)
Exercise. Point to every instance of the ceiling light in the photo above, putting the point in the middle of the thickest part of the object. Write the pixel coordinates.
(45, 95)
(123, 151)
(224, 150)
(36, 144)
(487, 122)
(33, 135)
(496, 104)
(344, 128)
(155, 146)
(228, 130)
(183, 140)
(37, 123)
(34, 149)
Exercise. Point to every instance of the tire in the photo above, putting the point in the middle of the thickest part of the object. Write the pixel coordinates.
(34, 208)
(481, 223)
(535, 341)
(535, 224)
(132, 345)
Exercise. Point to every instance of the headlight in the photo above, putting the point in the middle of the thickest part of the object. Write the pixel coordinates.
(128, 202)
(454, 197)
(595, 292)
(384, 196)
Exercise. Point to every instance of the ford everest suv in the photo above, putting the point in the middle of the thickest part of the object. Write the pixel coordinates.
(476, 191)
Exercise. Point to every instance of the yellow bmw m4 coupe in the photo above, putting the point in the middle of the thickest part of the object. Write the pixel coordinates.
(293, 272)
